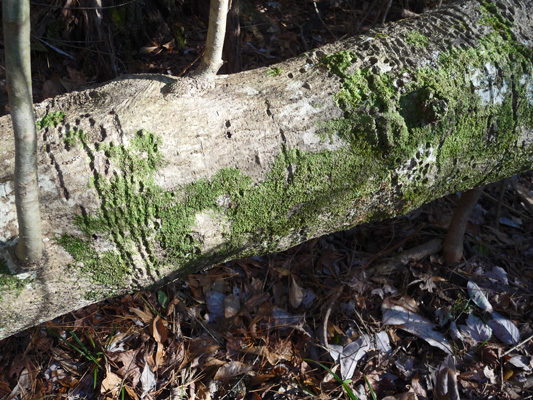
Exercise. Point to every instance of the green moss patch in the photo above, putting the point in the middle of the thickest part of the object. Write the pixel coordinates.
(416, 39)
(9, 282)
(137, 218)
(274, 71)
(50, 119)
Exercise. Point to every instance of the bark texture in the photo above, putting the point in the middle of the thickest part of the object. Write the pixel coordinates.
(142, 185)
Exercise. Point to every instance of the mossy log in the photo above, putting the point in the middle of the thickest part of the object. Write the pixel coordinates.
(141, 184)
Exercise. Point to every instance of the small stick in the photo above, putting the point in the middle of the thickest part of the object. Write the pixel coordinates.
(523, 342)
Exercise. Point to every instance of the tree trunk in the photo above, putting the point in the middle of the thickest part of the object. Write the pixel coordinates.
(212, 59)
(16, 21)
(141, 185)
(452, 247)
(231, 53)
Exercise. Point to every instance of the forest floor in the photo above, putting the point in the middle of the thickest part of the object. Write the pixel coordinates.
(327, 319)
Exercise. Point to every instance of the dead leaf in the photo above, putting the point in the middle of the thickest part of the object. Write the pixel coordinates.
(351, 354)
(476, 329)
(478, 296)
(296, 293)
(521, 361)
(145, 317)
(446, 388)
(150, 49)
(232, 306)
(172, 305)
(504, 329)
(214, 302)
(159, 332)
(232, 369)
(131, 392)
(415, 324)
(417, 387)
(23, 384)
(129, 369)
(405, 302)
(170, 45)
(111, 383)
(159, 356)
(147, 380)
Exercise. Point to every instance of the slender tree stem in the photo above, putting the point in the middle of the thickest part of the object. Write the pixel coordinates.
(212, 60)
(452, 248)
(16, 21)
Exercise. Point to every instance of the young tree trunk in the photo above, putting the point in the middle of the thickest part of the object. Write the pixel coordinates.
(16, 21)
(212, 59)
(143, 185)
(232, 42)
(452, 247)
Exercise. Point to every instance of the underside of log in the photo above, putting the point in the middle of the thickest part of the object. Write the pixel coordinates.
(141, 184)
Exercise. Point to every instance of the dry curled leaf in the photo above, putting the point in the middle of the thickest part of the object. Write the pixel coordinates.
(296, 293)
(159, 332)
(111, 383)
(446, 388)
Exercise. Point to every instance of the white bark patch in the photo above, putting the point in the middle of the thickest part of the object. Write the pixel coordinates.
(207, 228)
(8, 212)
(529, 87)
(486, 85)
(301, 109)
(250, 91)
(295, 86)
(417, 164)
(45, 184)
(384, 68)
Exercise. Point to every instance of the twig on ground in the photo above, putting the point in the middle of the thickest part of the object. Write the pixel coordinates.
(414, 254)
(524, 196)
(323, 335)
(523, 342)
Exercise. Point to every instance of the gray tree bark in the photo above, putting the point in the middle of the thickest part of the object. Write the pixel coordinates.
(142, 185)
(16, 22)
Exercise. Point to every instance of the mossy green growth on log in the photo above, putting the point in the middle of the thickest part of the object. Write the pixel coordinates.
(137, 218)
(416, 39)
(8, 281)
(469, 107)
(463, 113)
(50, 119)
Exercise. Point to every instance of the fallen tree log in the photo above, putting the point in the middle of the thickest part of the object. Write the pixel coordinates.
(146, 179)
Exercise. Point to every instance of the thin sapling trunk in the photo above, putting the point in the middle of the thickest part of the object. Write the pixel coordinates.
(16, 21)
(212, 59)
(452, 248)
(203, 78)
